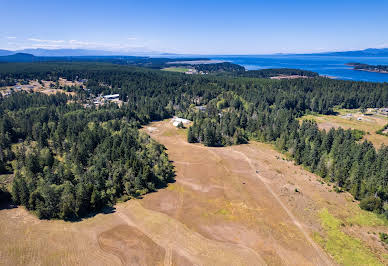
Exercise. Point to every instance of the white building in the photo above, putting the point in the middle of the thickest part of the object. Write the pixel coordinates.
(111, 96)
(177, 120)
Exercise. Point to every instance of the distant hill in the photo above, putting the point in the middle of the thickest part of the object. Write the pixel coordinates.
(18, 57)
(6, 52)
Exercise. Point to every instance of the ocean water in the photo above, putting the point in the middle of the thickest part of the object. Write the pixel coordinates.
(333, 66)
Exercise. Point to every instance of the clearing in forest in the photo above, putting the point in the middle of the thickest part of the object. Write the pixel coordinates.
(176, 69)
(354, 119)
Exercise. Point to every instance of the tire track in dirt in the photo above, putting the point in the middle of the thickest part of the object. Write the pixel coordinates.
(168, 257)
(176, 236)
(286, 209)
(112, 251)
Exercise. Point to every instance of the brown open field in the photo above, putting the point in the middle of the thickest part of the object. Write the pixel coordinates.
(348, 119)
(239, 205)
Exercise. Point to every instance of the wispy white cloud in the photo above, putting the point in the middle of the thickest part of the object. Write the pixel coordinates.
(106, 45)
(127, 44)
(11, 37)
(45, 41)
(45, 46)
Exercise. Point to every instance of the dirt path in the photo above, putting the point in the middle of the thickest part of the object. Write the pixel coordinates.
(319, 251)
(188, 167)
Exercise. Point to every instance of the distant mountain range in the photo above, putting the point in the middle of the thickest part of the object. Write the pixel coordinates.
(370, 52)
(6, 52)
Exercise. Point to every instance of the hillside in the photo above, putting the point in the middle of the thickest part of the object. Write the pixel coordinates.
(19, 57)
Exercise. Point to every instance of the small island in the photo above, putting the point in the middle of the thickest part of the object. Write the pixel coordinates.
(370, 68)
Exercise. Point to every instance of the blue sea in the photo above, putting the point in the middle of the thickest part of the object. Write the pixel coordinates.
(332, 66)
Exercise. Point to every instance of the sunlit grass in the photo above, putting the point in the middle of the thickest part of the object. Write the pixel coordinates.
(365, 218)
(176, 69)
(345, 249)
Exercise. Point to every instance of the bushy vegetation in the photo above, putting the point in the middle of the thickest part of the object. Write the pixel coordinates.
(381, 131)
(384, 238)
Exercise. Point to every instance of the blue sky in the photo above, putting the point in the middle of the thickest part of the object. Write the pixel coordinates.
(197, 26)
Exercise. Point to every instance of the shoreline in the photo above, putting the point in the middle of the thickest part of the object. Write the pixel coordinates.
(375, 70)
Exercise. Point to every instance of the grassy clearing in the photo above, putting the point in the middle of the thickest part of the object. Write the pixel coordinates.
(345, 249)
(174, 131)
(369, 124)
(175, 187)
(364, 218)
(176, 69)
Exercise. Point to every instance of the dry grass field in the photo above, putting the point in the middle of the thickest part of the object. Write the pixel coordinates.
(176, 69)
(349, 119)
(239, 205)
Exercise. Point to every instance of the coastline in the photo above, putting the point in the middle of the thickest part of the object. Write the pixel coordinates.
(373, 70)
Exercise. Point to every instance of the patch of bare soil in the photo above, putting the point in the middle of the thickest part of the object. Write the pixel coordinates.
(131, 246)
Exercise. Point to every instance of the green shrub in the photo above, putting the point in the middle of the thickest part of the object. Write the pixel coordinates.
(384, 237)
(372, 203)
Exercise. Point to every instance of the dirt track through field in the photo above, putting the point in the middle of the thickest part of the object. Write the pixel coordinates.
(188, 178)
(293, 218)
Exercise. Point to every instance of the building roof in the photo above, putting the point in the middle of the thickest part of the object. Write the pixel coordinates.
(111, 96)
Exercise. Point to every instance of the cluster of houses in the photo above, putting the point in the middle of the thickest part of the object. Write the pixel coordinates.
(17, 88)
(194, 71)
(383, 111)
(101, 100)
(369, 112)
(380, 111)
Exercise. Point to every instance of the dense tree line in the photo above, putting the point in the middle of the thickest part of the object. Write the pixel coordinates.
(220, 67)
(86, 168)
(273, 72)
(69, 161)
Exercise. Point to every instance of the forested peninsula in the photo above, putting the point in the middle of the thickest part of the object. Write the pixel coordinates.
(369, 68)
